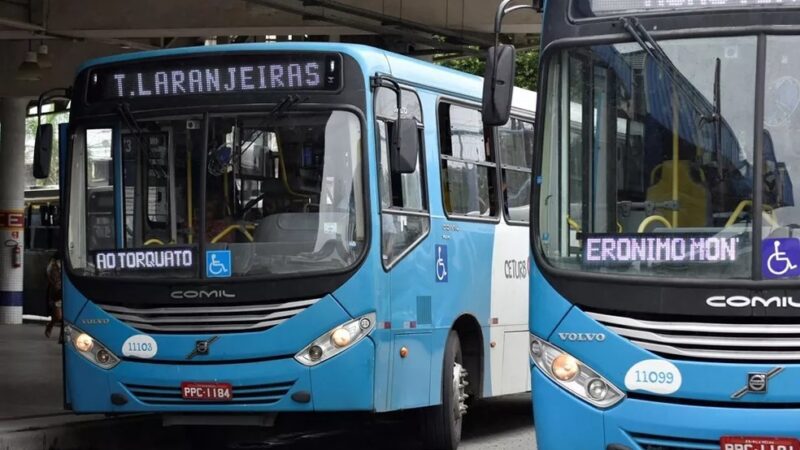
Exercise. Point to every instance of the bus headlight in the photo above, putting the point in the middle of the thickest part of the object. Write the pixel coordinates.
(574, 376)
(336, 340)
(88, 347)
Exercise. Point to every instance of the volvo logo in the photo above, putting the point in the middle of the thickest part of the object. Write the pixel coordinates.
(201, 294)
(582, 337)
(741, 301)
(201, 348)
(756, 383)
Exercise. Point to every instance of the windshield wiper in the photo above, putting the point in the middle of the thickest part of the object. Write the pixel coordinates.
(649, 45)
(124, 111)
(289, 102)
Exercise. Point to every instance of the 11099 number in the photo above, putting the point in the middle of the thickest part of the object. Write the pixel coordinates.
(655, 377)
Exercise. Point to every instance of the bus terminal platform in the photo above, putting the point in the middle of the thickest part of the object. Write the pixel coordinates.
(31, 406)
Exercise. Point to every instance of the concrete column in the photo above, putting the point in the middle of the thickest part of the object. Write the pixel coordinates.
(12, 206)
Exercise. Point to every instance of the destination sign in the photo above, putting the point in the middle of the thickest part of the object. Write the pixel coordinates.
(626, 249)
(601, 7)
(135, 260)
(237, 74)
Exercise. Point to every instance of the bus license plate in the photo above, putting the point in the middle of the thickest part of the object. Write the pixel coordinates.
(758, 443)
(215, 392)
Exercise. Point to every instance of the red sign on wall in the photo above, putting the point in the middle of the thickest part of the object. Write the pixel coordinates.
(12, 219)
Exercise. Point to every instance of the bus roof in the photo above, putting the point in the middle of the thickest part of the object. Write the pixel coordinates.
(373, 60)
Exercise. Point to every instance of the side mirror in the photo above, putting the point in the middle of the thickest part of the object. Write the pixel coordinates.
(43, 151)
(405, 146)
(498, 84)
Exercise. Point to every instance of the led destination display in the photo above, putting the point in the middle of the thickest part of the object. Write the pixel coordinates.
(622, 249)
(134, 260)
(238, 74)
(618, 6)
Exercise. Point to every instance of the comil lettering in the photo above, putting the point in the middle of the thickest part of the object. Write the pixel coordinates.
(740, 301)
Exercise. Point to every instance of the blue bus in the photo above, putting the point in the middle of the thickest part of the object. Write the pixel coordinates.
(293, 227)
(664, 227)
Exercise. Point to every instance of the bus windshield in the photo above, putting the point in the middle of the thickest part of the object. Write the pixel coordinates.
(648, 159)
(267, 194)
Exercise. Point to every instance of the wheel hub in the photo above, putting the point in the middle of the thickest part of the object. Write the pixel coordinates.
(460, 396)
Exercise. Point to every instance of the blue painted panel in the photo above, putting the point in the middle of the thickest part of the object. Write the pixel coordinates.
(82, 374)
(697, 422)
(74, 301)
(547, 307)
(407, 390)
(87, 386)
(557, 413)
(345, 382)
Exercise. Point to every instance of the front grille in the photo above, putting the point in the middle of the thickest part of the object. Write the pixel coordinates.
(262, 394)
(709, 341)
(654, 442)
(209, 318)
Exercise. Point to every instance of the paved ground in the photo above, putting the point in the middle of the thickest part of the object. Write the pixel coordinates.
(31, 417)
(30, 372)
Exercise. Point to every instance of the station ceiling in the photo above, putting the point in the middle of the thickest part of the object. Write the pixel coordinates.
(76, 30)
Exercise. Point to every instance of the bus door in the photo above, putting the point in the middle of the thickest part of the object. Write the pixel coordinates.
(405, 253)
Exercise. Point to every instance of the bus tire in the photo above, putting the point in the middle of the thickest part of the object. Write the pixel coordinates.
(441, 424)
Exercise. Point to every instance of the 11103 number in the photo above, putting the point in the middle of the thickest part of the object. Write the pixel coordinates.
(140, 347)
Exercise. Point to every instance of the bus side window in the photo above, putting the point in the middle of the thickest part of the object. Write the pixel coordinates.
(405, 220)
(469, 174)
(515, 143)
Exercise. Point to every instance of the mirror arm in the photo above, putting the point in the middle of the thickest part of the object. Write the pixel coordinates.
(502, 11)
(381, 81)
(61, 93)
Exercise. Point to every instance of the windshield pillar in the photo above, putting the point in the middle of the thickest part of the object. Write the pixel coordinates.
(758, 159)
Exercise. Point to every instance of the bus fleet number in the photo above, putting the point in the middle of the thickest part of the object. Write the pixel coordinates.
(654, 377)
(140, 347)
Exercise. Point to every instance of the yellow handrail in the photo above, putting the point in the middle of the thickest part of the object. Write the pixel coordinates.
(573, 224)
(228, 230)
(744, 204)
(153, 241)
(654, 218)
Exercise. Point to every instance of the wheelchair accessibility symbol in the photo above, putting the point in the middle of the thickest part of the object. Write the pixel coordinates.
(441, 264)
(218, 264)
(780, 257)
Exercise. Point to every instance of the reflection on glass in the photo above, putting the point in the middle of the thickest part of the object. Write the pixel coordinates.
(647, 170)
(781, 138)
(283, 193)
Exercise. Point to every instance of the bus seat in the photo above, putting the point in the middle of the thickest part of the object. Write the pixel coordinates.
(288, 227)
(311, 230)
(694, 196)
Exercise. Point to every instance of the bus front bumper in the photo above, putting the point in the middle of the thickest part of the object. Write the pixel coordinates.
(566, 422)
(342, 383)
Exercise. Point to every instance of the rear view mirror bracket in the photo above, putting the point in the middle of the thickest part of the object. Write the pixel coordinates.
(498, 82)
(404, 145)
(43, 146)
